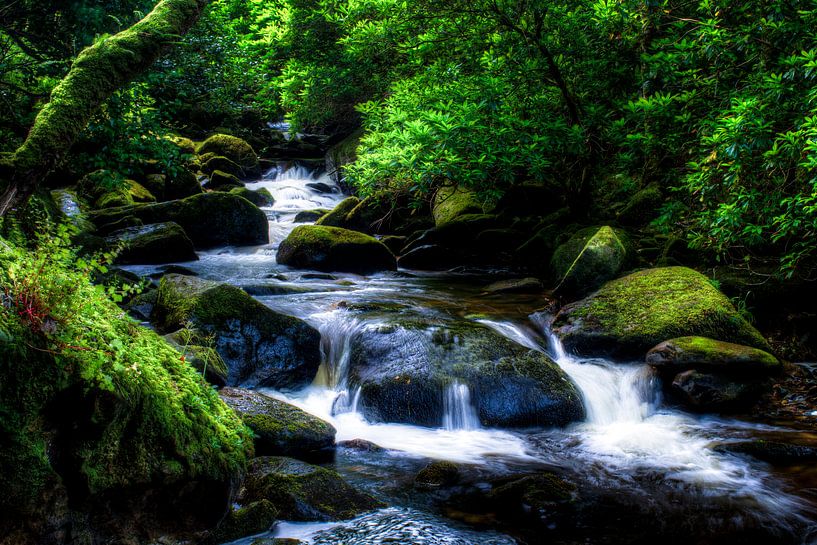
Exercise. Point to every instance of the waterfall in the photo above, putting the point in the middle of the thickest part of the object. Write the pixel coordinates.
(458, 412)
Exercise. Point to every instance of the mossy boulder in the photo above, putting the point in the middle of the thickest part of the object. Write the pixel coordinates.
(280, 429)
(261, 347)
(642, 208)
(181, 183)
(310, 216)
(221, 164)
(128, 193)
(332, 249)
(235, 149)
(337, 217)
(590, 258)
(702, 353)
(628, 316)
(185, 145)
(209, 219)
(451, 202)
(259, 197)
(303, 492)
(153, 244)
(404, 369)
(251, 519)
(220, 180)
(437, 474)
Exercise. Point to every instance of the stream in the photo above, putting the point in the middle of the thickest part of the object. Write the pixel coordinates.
(655, 463)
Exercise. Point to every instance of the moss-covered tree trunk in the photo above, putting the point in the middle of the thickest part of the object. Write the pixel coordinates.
(95, 75)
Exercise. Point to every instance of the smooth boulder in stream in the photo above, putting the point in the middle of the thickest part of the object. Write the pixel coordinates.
(628, 316)
(261, 347)
(331, 249)
(403, 371)
(153, 244)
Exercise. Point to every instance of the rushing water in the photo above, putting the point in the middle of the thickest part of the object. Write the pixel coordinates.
(629, 444)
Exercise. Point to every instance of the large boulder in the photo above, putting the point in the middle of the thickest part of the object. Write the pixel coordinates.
(451, 202)
(209, 219)
(303, 492)
(235, 149)
(628, 316)
(280, 429)
(260, 346)
(590, 258)
(153, 244)
(716, 392)
(404, 370)
(334, 249)
(127, 193)
(685, 353)
(337, 217)
(259, 197)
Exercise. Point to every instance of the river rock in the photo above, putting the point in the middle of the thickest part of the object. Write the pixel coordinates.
(429, 257)
(309, 216)
(590, 258)
(403, 371)
(235, 149)
(717, 392)
(333, 249)
(280, 429)
(254, 518)
(153, 244)
(452, 202)
(259, 197)
(700, 353)
(222, 164)
(518, 285)
(260, 346)
(437, 474)
(223, 181)
(127, 193)
(209, 219)
(181, 183)
(337, 217)
(628, 316)
(774, 452)
(303, 492)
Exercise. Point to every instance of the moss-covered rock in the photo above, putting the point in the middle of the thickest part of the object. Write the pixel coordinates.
(437, 474)
(452, 202)
(404, 369)
(642, 208)
(153, 244)
(590, 258)
(221, 164)
(260, 346)
(628, 316)
(254, 518)
(717, 392)
(204, 359)
(128, 193)
(334, 249)
(185, 145)
(235, 149)
(259, 197)
(181, 183)
(280, 429)
(310, 216)
(337, 217)
(223, 180)
(702, 353)
(209, 219)
(303, 492)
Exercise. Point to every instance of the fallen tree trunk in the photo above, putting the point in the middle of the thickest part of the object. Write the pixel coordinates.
(96, 74)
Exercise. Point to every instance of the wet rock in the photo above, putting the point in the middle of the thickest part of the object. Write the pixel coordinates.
(309, 216)
(521, 285)
(280, 429)
(429, 257)
(151, 244)
(209, 219)
(394, 243)
(337, 217)
(260, 346)
(707, 354)
(235, 149)
(437, 474)
(127, 193)
(223, 181)
(255, 518)
(333, 249)
(590, 258)
(715, 392)
(259, 197)
(361, 445)
(452, 202)
(222, 164)
(181, 183)
(303, 492)
(774, 452)
(320, 187)
(141, 306)
(404, 369)
(628, 316)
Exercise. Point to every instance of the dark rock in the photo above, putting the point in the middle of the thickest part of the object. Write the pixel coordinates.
(430, 257)
(321, 187)
(280, 429)
(257, 517)
(702, 353)
(521, 285)
(259, 197)
(153, 244)
(773, 452)
(715, 392)
(222, 164)
(333, 249)
(303, 492)
(437, 474)
(224, 181)
(235, 149)
(260, 346)
(590, 258)
(530, 199)
(181, 183)
(642, 208)
(361, 445)
(309, 216)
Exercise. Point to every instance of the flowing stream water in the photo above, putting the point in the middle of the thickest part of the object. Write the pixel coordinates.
(630, 444)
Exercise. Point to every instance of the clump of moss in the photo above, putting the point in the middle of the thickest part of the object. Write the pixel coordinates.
(331, 249)
(235, 149)
(452, 202)
(114, 404)
(338, 216)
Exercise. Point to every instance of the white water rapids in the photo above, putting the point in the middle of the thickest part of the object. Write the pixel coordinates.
(626, 433)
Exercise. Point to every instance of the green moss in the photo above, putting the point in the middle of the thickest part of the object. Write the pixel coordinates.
(259, 197)
(334, 249)
(451, 202)
(232, 148)
(704, 353)
(589, 258)
(628, 316)
(255, 518)
(112, 399)
(642, 208)
(338, 216)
